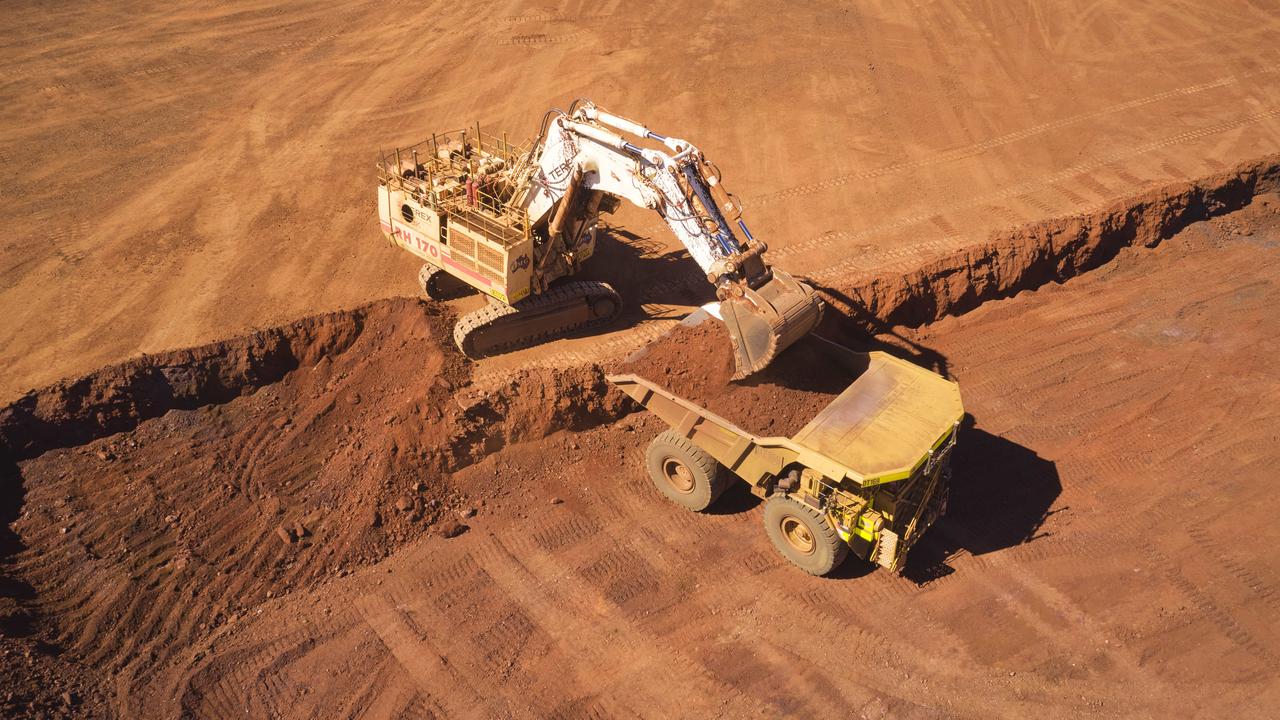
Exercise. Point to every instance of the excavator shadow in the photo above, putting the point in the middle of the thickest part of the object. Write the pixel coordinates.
(833, 355)
(655, 282)
(849, 323)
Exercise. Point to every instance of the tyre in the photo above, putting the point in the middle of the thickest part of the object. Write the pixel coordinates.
(604, 308)
(683, 472)
(803, 535)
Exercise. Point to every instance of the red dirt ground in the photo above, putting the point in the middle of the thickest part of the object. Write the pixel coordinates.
(180, 172)
(292, 455)
(1107, 550)
(339, 517)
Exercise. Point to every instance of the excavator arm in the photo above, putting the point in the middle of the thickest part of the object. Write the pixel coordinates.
(589, 150)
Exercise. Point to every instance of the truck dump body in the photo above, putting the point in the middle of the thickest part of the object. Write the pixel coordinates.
(880, 424)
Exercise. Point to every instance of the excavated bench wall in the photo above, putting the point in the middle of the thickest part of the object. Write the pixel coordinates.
(119, 397)
(1031, 255)
(116, 398)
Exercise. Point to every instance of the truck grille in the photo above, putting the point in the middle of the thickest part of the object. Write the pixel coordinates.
(924, 496)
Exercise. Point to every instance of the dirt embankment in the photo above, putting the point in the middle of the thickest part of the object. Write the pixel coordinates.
(1031, 255)
(190, 487)
(118, 397)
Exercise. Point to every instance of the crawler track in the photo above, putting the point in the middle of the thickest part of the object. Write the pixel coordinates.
(566, 308)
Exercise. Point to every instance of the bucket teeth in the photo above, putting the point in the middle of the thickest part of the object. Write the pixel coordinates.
(768, 320)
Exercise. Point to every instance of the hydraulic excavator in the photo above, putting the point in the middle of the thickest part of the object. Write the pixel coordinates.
(516, 222)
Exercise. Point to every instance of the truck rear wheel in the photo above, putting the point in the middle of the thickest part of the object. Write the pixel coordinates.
(803, 535)
(685, 473)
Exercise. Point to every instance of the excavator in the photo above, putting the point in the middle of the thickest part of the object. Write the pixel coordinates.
(517, 221)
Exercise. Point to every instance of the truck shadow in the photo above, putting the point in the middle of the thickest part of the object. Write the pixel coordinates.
(1001, 492)
(1001, 495)
(737, 498)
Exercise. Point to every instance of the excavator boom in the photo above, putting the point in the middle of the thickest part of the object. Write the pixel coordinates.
(765, 310)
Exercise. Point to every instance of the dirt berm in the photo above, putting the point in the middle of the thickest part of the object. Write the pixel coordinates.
(187, 486)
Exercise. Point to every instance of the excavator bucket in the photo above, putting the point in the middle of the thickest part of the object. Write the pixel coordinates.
(768, 320)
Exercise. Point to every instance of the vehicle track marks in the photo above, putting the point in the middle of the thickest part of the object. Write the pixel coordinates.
(1227, 624)
(975, 149)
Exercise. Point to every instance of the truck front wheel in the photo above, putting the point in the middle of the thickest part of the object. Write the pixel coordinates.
(682, 471)
(803, 535)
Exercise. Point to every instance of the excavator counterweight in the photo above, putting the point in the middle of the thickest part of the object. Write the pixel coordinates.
(515, 222)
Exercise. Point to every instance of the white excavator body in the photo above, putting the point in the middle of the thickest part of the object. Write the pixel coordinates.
(514, 221)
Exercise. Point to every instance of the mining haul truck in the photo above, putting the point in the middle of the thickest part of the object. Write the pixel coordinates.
(868, 475)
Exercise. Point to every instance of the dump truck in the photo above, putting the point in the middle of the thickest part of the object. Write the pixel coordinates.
(868, 475)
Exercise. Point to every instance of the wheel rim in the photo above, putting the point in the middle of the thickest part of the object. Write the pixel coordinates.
(604, 307)
(678, 475)
(797, 535)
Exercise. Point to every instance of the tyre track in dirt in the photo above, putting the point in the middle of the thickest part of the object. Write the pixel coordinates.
(1063, 582)
(907, 258)
(250, 469)
(978, 148)
(632, 497)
